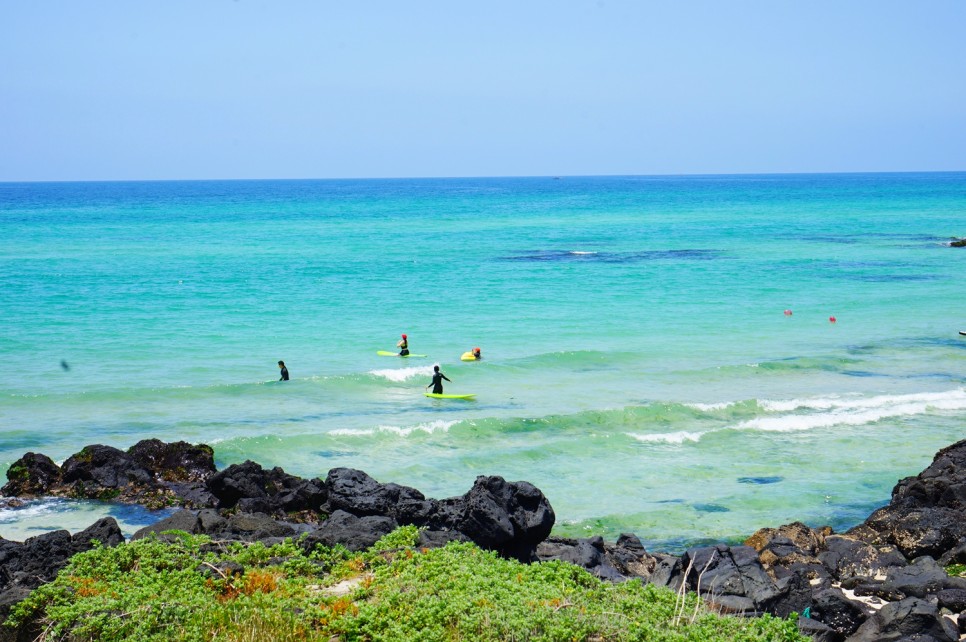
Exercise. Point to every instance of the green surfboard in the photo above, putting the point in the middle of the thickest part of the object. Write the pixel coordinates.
(386, 353)
(445, 396)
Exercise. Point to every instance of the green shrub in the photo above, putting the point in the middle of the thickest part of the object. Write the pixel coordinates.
(183, 590)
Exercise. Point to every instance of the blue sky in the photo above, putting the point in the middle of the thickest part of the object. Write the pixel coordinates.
(115, 89)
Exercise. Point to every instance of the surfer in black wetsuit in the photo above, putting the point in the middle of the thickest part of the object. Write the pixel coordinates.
(281, 364)
(437, 383)
(403, 346)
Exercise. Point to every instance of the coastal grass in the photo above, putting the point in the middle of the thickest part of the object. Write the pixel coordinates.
(184, 587)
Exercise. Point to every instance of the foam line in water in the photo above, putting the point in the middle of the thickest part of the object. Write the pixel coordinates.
(710, 407)
(667, 438)
(948, 400)
(402, 431)
(399, 375)
(853, 412)
(30, 510)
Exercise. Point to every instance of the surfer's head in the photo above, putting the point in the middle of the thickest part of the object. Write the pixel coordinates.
(404, 336)
(435, 368)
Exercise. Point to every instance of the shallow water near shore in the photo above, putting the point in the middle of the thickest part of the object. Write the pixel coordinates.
(638, 365)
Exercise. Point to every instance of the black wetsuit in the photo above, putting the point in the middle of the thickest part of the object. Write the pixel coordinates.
(284, 374)
(438, 382)
(404, 349)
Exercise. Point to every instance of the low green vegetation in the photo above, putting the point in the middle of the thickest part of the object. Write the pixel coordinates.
(956, 570)
(190, 588)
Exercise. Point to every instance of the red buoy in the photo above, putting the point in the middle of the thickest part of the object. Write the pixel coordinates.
(831, 319)
(788, 313)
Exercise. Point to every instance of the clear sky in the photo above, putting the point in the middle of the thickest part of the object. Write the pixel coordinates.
(122, 89)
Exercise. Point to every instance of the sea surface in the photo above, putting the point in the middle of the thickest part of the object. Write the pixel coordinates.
(639, 364)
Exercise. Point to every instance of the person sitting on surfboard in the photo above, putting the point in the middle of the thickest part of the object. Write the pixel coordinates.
(437, 383)
(403, 346)
(476, 353)
(281, 364)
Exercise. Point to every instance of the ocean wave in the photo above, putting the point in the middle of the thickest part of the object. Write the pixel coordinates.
(399, 375)
(711, 407)
(667, 438)
(835, 411)
(402, 431)
(948, 400)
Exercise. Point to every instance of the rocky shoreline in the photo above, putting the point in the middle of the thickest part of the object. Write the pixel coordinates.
(882, 580)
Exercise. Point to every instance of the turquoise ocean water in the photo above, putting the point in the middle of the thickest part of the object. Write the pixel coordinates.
(638, 365)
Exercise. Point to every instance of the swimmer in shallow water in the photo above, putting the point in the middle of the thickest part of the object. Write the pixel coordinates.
(281, 365)
(437, 382)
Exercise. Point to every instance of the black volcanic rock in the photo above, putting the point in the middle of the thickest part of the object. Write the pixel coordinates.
(104, 532)
(625, 559)
(730, 577)
(151, 473)
(834, 609)
(908, 619)
(183, 520)
(354, 532)
(790, 549)
(98, 468)
(255, 489)
(510, 518)
(31, 475)
(356, 492)
(245, 480)
(174, 462)
(925, 516)
(847, 557)
(438, 539)
(38, 559)
(923, 578)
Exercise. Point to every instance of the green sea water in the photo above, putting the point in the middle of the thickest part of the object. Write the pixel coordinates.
(638, 366)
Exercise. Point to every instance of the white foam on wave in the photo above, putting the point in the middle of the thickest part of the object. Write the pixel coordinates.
(948, 400)
(581, 253)
(824, 412)
(667, 438)
(403, 374)
(31, 510)
(403, 431)
(710, 407)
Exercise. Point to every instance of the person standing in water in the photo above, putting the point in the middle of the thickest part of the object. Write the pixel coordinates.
(437, 383)
(281, 365)
(403, 346)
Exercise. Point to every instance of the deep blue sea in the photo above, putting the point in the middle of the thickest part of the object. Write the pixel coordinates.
(639, 365)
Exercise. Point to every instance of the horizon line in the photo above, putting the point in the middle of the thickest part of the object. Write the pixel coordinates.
(479, 177)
